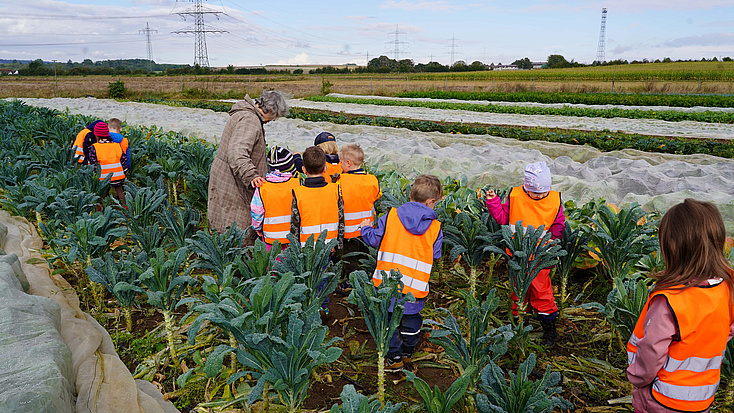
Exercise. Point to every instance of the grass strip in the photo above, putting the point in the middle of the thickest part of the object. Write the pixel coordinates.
(667, 115)
(625, 99)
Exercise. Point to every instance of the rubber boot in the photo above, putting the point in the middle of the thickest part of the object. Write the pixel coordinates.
(549, 330)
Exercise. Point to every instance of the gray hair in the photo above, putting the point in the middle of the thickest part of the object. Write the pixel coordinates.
(273, 102)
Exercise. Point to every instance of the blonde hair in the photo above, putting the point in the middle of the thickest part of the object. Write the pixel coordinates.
(426, 187)
(329, 147)
(352, 152)
(692, 236)
(115, 124)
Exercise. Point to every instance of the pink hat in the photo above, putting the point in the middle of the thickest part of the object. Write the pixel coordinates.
(101, 130)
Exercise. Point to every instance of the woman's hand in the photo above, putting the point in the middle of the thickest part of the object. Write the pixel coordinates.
(257, 182)
(491, 194)
(366, 223)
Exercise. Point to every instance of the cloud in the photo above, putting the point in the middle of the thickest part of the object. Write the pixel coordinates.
(411, 5)
(708, 39)
(300, 59)
(621, 49)
(634, 6)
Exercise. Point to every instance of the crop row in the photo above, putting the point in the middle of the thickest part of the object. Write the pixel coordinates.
(666, 115)
(602, 140)
(625, 99)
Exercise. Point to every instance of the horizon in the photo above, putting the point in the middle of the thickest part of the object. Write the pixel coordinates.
(289, 34)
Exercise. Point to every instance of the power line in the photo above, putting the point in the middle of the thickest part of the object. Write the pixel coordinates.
(75, 17)
(147, 32)
(397, 42)
(201, 56)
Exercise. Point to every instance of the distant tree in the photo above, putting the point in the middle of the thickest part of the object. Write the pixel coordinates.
(405, 66)
(436, 67)
(298, 72)
(523, 63)
(556, 61)
(726, 59)
(714, 59)
(477, 66)
(459, 66)
(667, 60)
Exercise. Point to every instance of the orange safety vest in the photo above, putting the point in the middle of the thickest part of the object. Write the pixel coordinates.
(319, 210)
(690, 377)
(411, 254)
(277, 200)
(533, 212)
(108, 156)
(78, 145)
(332, 172)
(359, 192)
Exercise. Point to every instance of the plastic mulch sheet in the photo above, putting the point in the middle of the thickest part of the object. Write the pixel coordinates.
(53, 356)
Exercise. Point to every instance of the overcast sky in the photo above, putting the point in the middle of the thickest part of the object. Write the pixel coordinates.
(338, 32)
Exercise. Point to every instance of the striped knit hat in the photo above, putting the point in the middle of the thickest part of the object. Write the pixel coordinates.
(280, 159)
(101, 130)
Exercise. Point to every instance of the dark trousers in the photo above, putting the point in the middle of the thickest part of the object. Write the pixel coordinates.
(352, 263)
(406, 337)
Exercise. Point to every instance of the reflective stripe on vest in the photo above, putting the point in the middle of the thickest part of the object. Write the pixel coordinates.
(533, 212)
(108, 156)
(277, 200)
(690, 377)
(331, 170)
(319, 211)
(359, 192)
(78, 145)
(411, 254)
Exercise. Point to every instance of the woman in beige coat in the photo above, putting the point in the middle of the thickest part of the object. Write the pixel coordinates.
(240, 164)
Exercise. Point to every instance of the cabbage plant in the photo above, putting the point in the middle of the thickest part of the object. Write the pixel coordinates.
(435, 400)
(621, 239)
(519, 394)
(309, 264)
(354, 402)
(468, 238)
(528, 251)
(215, 251)
(573, 242)
(164, 287)
(119, 277)
(480, 343)
(375, 304)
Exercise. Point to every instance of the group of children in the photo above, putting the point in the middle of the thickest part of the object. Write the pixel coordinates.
(677, 347)
(676, 350)
(101, 143)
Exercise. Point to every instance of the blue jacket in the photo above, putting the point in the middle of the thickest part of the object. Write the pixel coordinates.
(117, 138)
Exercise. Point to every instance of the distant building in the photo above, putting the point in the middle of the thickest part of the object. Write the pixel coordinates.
(505, 67)
(539, 65)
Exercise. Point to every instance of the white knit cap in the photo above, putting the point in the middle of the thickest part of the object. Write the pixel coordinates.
(537, 177)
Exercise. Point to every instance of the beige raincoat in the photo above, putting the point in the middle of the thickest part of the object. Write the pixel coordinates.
(240, 158)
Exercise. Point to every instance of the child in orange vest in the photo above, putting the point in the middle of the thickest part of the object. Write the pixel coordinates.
(271, 204)
(409, 239)
(359, 191)
(535, 204)
(78, 145)
(111, 159)
(317, 205)
(675, 351)
(115, 126)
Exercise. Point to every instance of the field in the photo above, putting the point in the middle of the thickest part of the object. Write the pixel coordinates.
(695, 77)
(216, 326)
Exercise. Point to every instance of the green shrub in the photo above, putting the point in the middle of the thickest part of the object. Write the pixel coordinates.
(116, 90)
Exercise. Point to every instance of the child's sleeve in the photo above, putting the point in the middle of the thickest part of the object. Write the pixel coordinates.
(558, 225)
(295, 218)
(499, 211)
(437, 245)
(91, 155)
(652, 349)
(342, 229)
(257, 211)
(123, 161)
(372, 236)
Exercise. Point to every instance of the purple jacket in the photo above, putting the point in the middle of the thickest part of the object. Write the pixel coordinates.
(416, 218)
